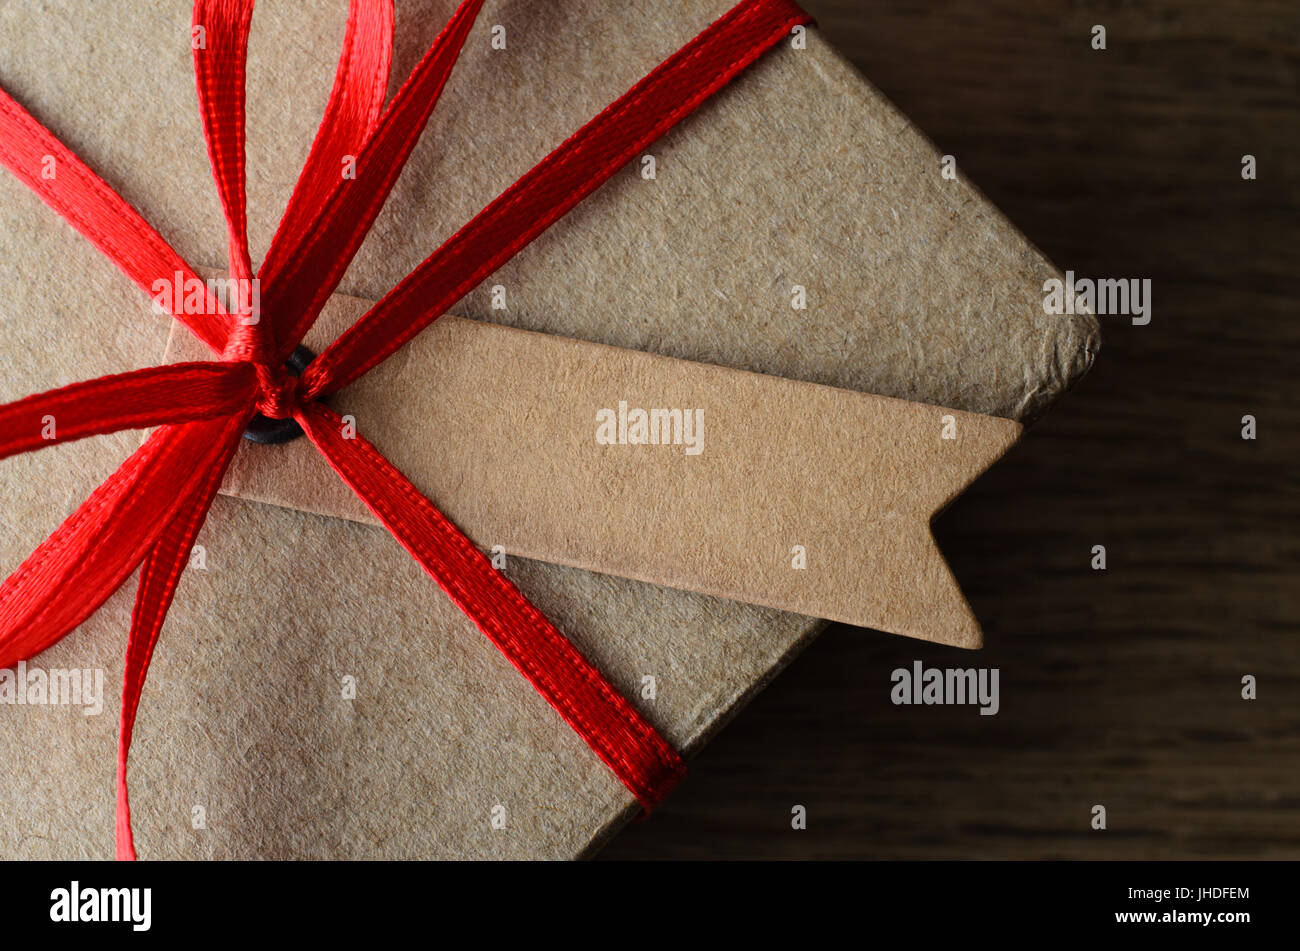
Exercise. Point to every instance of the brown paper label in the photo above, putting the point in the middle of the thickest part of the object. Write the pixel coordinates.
(777, 492)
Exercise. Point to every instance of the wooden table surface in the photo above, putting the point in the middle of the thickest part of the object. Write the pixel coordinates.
(1119, 687)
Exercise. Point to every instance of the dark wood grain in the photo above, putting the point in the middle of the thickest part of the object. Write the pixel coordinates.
(1119, 687)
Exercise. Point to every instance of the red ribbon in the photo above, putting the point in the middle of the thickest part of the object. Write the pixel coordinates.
(149, 511)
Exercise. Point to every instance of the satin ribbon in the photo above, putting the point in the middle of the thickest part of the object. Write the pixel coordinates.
(148, 513)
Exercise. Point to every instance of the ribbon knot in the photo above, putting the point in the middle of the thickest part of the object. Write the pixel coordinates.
(277, 391)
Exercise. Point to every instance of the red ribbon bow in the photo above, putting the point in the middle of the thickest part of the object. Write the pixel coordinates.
(149, 511)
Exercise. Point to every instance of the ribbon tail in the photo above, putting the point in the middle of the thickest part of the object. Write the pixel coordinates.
(88, 557)
(641, 758)
(65, 183)
(554, 186)
(159, 575)
(155, 396)
(296, 284)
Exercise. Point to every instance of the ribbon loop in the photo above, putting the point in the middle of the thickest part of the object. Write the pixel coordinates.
(89, 556)
(296, 286)
(351, 114)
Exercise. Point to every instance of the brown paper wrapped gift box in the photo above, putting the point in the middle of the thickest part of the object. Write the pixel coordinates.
(798, 173)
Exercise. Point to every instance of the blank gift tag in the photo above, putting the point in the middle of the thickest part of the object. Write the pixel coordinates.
(777, 492)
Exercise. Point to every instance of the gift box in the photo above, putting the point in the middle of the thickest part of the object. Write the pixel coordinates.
(313, 694)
